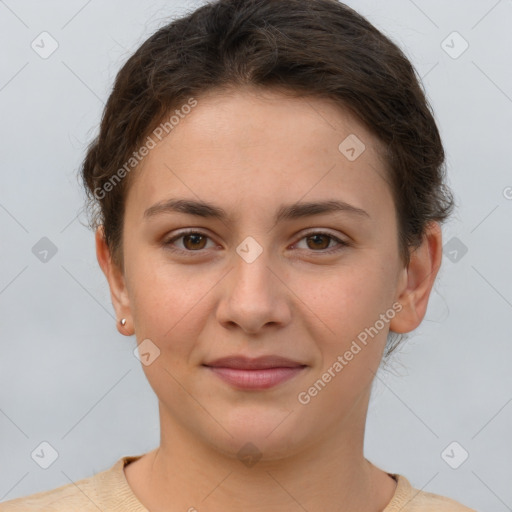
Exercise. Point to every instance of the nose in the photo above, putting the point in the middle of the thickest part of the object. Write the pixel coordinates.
(254, 296)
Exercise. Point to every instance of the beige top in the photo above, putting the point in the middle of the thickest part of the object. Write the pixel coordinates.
(109, 491)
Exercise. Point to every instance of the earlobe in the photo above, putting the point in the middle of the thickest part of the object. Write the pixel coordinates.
(116, 282)
(419, 278)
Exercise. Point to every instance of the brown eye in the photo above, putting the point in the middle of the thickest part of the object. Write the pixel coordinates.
(320, 242)
(317, 242)
(193, 241)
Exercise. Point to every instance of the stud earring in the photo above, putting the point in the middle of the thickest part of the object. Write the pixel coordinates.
(122, 321)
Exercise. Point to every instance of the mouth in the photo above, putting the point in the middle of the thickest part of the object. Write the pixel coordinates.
(255, 379)
(260, 373)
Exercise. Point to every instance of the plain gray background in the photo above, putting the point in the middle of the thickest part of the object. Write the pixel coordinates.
(68, 378)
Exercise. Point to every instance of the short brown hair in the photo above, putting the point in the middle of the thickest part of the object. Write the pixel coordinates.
(318, 48)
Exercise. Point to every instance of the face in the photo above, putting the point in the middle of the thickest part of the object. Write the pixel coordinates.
(261, 277)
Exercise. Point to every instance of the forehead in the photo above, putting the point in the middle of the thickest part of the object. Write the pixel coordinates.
(251, 146)
(252, 116)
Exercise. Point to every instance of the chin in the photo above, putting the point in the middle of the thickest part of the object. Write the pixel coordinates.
(264, 435)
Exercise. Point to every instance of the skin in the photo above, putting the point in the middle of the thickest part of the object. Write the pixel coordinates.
(250, 151)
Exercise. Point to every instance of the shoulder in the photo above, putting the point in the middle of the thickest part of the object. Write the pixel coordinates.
(409, 499)
(426, 502)
(71, 496)
(89, 494)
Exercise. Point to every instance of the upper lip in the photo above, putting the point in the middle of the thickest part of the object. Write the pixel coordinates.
(258, 363)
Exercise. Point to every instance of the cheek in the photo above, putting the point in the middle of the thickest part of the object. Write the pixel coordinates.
(167, 310)
(350, 299)
(168, 302)
(350, 304)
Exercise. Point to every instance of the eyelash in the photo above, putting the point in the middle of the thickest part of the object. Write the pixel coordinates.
(168, 243)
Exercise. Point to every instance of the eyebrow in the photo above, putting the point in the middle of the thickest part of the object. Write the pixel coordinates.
(285, 212)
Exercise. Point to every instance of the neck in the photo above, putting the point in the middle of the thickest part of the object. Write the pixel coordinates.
(329, 474)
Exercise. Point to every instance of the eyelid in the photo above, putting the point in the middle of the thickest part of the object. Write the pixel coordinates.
(342, 243)
(167, 243)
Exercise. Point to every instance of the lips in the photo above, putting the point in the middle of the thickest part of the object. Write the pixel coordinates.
(259, 363)
(255, 374)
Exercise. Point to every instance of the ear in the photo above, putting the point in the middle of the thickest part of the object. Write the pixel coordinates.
(417, 280)
(116, 282)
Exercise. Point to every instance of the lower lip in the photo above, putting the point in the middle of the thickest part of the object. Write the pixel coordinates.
(255, 379)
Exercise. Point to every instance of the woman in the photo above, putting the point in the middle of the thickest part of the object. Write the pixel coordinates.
(267, 190)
